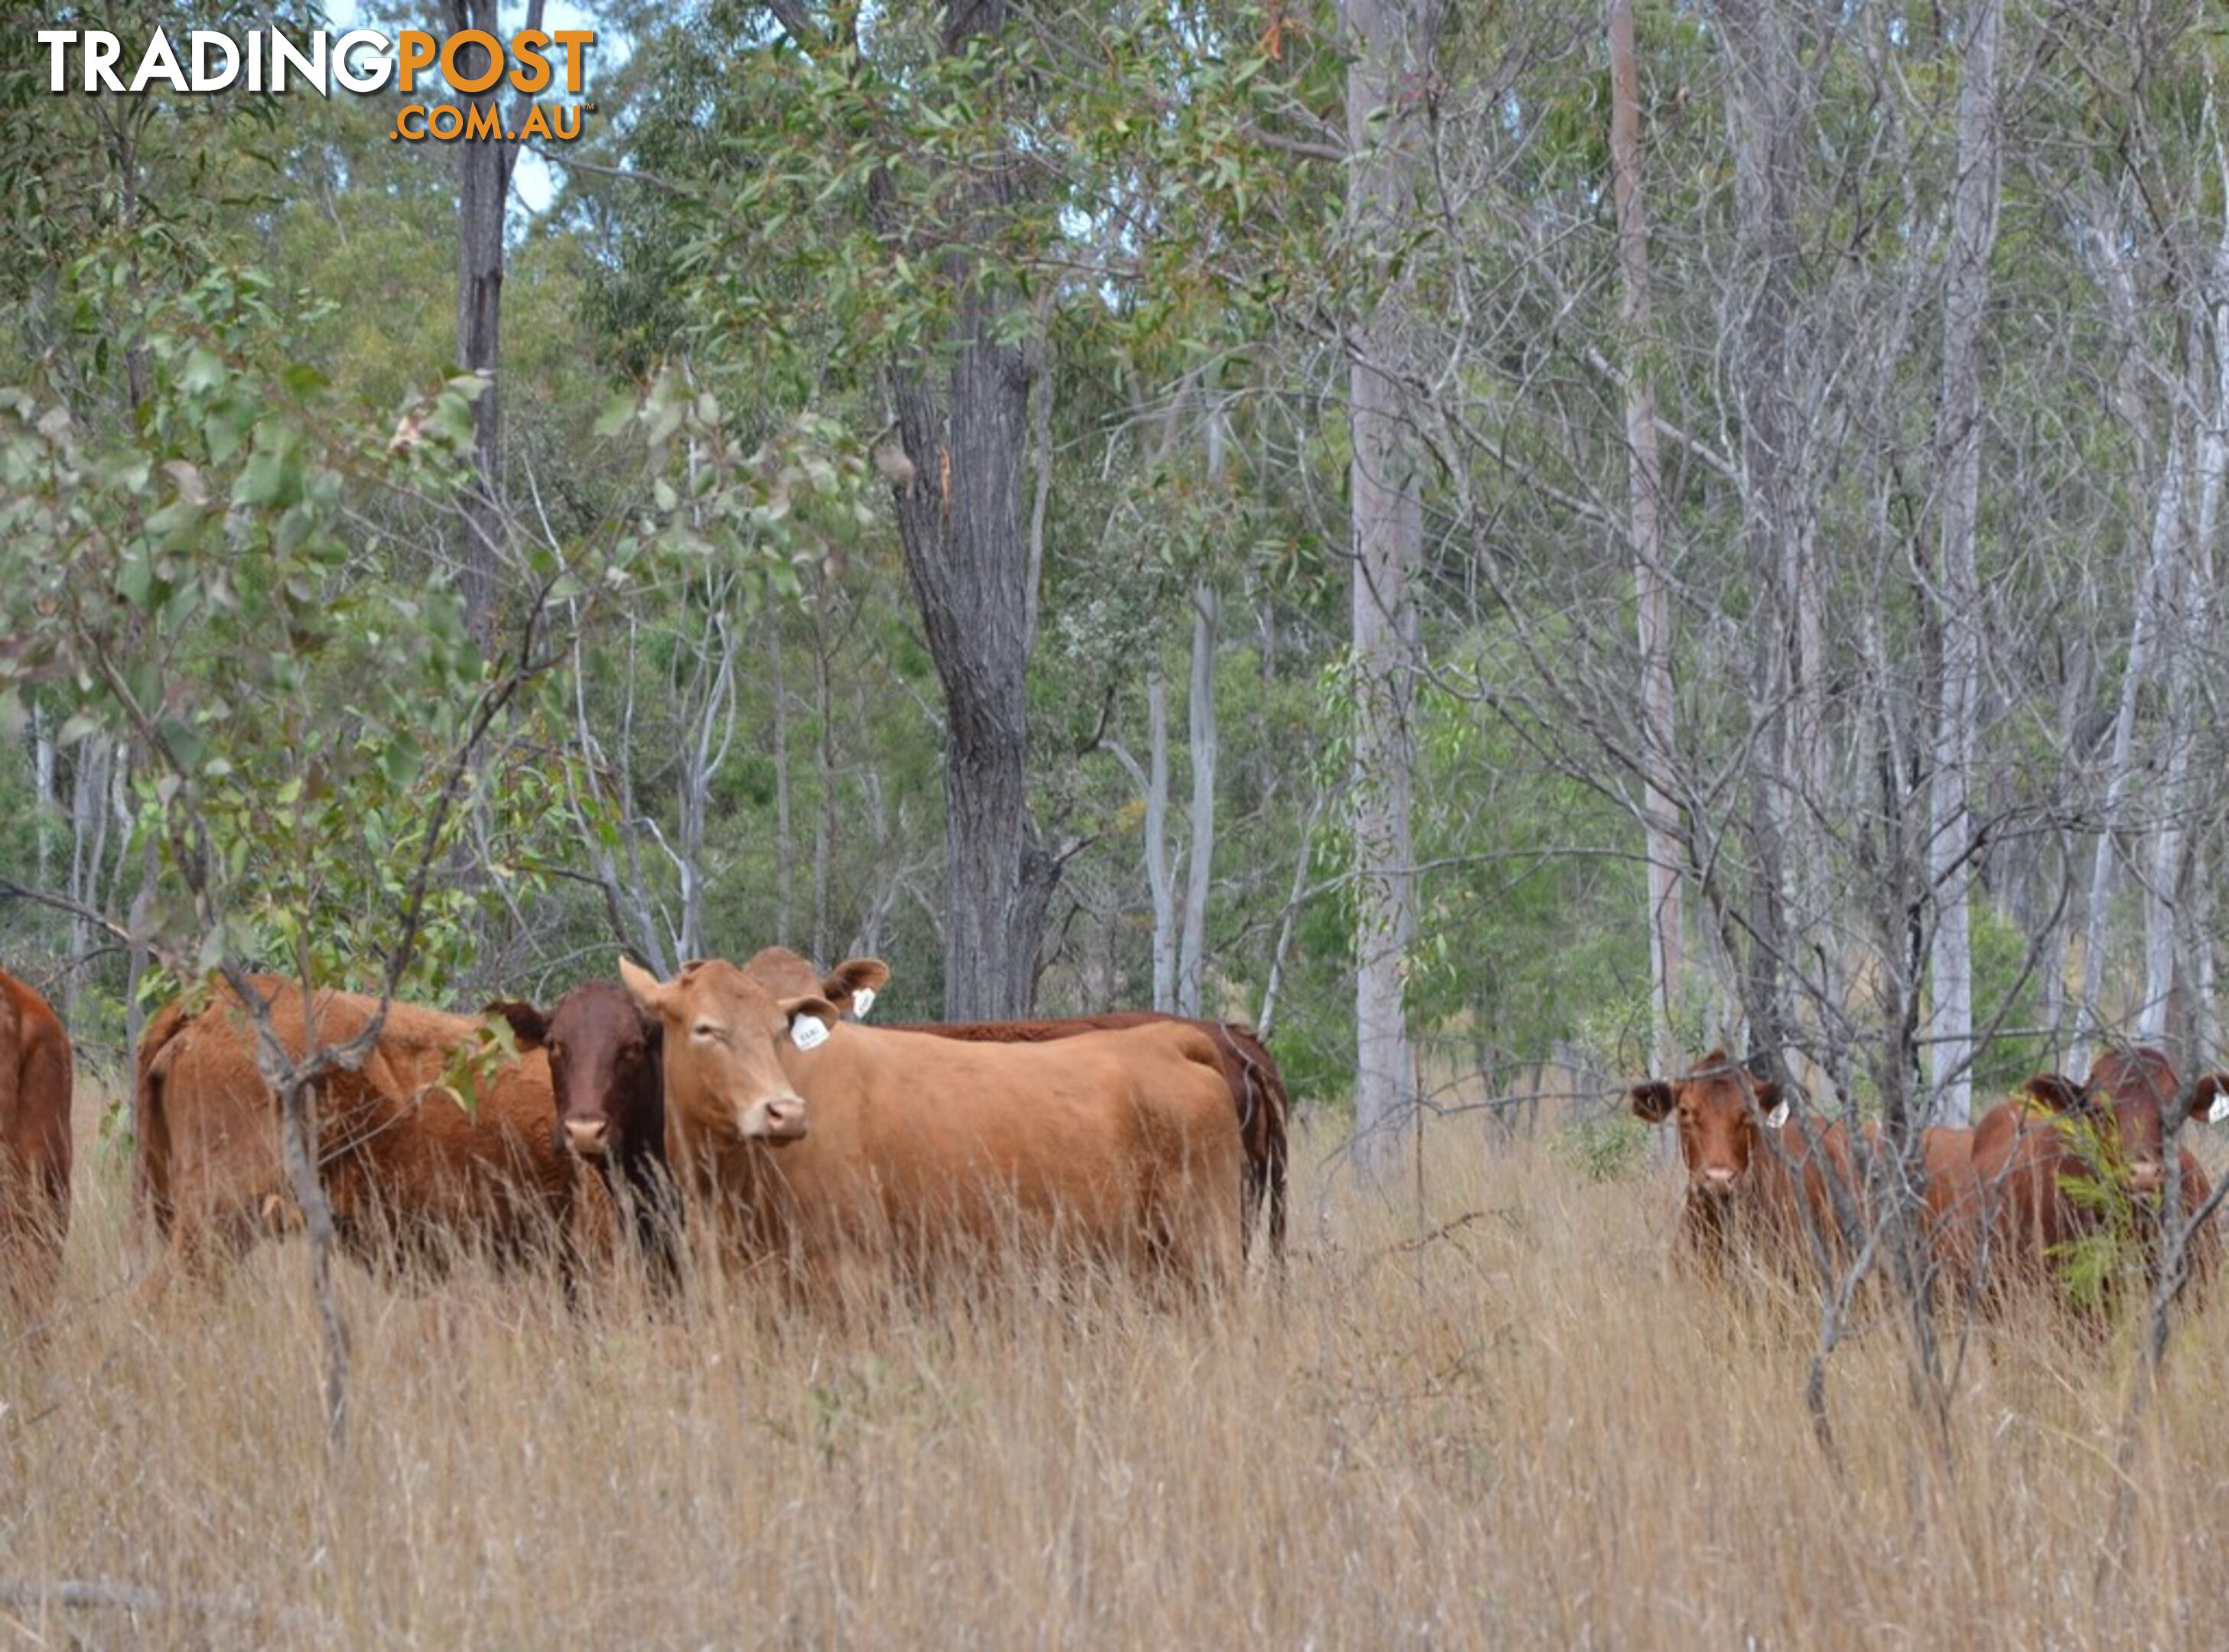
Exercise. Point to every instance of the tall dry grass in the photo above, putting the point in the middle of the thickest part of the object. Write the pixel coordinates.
(1531, 1430)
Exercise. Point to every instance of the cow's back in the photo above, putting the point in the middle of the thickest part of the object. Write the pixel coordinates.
(206, 1174)
(408, 1169)
(1818, 1185)
(36, 1080)
(2020, 1149)
(1955, 1209)
(407, 1163)
(1255, 1088)
(1119, 1143)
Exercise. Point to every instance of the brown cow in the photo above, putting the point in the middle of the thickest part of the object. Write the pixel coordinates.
(1956, 1209)
(2057, 1162)
(410, 1173)
(1116, 1146)
(1257, 1089)
(35, 1147)
(607, 1066)
(1743, 1163)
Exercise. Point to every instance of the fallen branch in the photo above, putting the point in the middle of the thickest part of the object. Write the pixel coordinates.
(83, 1593)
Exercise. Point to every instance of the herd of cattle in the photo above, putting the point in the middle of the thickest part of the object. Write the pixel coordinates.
(751, 1106)
(2004, 1204)
(736, 1100)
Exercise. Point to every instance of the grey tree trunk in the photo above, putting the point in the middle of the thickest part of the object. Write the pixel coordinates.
(1207, 615)
(1666, 915)
(824, 769)
(785, 837)
(483, 186)
(1958, 436)
(1390, 43)
(91, 778)
(710, 692)
(961, 525)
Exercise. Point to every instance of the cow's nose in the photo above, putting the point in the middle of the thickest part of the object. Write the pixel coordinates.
(2145, 1177)
(1717, 1182)
(590, 1137)
(785, 1116)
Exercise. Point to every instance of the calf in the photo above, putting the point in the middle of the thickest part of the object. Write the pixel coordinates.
(34, 1147)
(1749, 1184)
(608, 1070)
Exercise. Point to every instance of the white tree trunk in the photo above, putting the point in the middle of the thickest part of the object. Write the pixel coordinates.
(1666, 918)
(1966, 288)
(1159, 878)
(1207, 615)
(824, 771)
(785, 840)
(2151, 598)
(2170, 934)
(42, 786)
(1386, 83)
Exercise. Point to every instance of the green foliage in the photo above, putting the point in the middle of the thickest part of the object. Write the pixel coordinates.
(1603, 1147)
(188, 584)
(2000, 962)
(2107, 1264)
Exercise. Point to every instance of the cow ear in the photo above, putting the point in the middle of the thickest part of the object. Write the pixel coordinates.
(854, 983)
(1770, 1103)
(809, 1018)
(528, 1024)
(1650, 1100)
(2056, 1091)
(647, 991)
(2210, 1102)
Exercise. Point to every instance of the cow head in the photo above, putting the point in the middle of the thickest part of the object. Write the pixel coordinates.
(722, 1032)
(1720, 1106)
(2056, 1093)
(2210, 1100)
(2139, 1086)
(604, 1066)
(851, 986)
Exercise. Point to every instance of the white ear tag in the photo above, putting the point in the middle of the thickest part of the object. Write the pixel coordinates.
(2219, 1113)
(861, 1001)
(807, 1031)
(1777, 1117)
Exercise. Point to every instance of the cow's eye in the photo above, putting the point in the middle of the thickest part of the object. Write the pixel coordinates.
(706, 1031)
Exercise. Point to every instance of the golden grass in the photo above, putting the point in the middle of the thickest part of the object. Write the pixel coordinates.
(1532, 1431)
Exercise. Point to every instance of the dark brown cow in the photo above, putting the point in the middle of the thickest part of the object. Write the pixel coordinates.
(923, 1151)
(2035, 1155)
(607, 1067)
(35, 1147)
(1257, 1089)
(411, 1174)
(1743, 1164)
